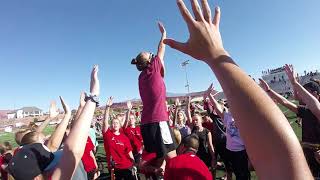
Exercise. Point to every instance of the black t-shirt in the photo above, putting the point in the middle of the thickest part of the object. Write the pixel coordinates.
(310, 125)
(310, 134)
(203, 140)
(219, 129)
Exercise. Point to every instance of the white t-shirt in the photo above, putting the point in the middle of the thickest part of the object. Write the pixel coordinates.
(234, 141)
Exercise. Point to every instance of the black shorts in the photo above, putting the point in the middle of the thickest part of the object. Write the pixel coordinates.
(158, 138)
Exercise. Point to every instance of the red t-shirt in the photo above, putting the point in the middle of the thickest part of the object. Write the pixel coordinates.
(4, 174)
(117, 147)
(186, 167)
(87, 160)
(153, 93)
(135, 137)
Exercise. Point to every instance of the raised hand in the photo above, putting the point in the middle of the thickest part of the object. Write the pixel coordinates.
(264, 85)
(65, 106)
(129, 105)
(53, 110)
(177, 102)
(290, 73)
(209, 91)
(161, 28)
(94, 84)
(204, 41)
(189, 100)
(110, 101)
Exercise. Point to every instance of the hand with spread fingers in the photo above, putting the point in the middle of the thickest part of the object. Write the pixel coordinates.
(205, 41)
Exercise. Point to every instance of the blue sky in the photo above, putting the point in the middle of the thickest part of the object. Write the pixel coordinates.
(47, 48)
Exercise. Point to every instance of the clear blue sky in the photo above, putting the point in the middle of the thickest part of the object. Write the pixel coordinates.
(47, 48)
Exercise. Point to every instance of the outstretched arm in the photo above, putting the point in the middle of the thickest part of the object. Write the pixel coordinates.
(188, 112)
(162, 47)
(126, 122)
(76, 141)
(56, 138)
(257, 115)
(175, 116)
(105, 125)
(312, 102)
(216, 105)
(280, 99)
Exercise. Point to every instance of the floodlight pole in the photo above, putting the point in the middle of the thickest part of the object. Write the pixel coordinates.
(184, 65)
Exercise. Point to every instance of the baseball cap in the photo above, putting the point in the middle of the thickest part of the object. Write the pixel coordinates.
(30, 161)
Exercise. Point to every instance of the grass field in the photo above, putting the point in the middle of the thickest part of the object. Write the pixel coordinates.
(291, 118)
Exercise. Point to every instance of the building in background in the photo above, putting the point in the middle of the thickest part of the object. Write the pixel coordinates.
(279, 82)
(25, 112)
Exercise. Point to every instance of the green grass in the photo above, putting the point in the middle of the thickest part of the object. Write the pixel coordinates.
(290, 115)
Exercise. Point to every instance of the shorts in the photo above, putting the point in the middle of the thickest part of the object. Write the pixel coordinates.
(158, 138)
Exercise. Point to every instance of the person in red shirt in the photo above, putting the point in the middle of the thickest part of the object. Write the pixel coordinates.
(89, 161)
(117, 147)
(3, 162)
(156, 134)
(187, 166)
(133, 133)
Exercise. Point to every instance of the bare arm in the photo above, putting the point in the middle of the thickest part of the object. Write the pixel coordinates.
(126, 122)
(217, 106)
(188, 113)
(312, 102)
(131, 156)
(211, 144)
(175, 116)
(56, 138)
(280, 99)
(212, 153)
(257, 115)
(94, 159)
(105, 124)
(162, 47)
(76, 141)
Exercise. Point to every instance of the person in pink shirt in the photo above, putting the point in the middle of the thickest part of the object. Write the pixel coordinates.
(156, 134)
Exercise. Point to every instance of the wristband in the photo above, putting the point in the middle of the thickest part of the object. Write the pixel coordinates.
(92, 98)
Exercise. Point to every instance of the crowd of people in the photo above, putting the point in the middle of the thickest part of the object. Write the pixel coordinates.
(186, 141)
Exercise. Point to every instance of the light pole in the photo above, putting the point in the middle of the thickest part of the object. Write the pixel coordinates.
(184, 65)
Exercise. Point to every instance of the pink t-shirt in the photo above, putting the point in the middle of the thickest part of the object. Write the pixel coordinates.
(153, 93)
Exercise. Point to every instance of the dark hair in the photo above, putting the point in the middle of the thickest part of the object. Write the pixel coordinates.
(140, 62)
(191, 141)
(7, 145)
(312, 86)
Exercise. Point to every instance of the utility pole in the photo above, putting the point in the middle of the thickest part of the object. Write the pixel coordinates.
(184, 65)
